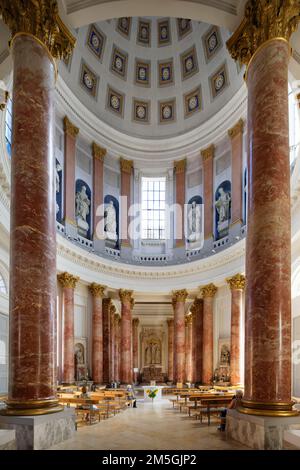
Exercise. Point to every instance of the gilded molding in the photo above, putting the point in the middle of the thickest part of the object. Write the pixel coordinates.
(208, 291)
(180, 166)
(135, 322)
(188, 320)
(179, 295)
(97, 290)
(125, 295)
(67, 280)
(236, 282)
(40, 19)
(237, 129)
(98, 152)
(69, 128)
(264, 20)
(126, 165)
(112, 310)
(208, 152)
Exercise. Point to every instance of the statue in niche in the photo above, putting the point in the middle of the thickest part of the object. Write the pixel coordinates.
(157, 354)
(148, 355)
(58, 169)
(152, 354)
(82, 210)
(223, 209)
(110, 224)
(194, 222)
(225, 355)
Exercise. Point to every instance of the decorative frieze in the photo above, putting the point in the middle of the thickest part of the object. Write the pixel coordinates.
(67, 280)
(69, 128)
(98, 152)
(238, 128)
(180, 295)
(97, 290)
(208, 291)
(236, 282)
(208, 152)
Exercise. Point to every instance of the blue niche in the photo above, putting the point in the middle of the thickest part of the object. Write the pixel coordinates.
(83, 208)
(111, 221)
(58, 185)
(195, 219)
(222, 209)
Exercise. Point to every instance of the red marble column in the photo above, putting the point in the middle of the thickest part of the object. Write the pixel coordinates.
(268, 244)
(98, 173)
(71, 133)
(188, 348)
(117, 348)
(237, 285)
(180, 170)
(126, 336)
(106, 305)
(208, 293)
(112, 344)
(170, 322)
(236, 136)
(135, 346)
(68, 283)
(126, 171)
(97, 292)
(32, 358)
(207, 159)
(197, 312)
(179, 298)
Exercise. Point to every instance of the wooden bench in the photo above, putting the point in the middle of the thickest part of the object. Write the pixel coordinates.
(208, 406)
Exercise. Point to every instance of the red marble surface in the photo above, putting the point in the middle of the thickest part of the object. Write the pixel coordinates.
(268, 249)
(69, 170)
(188, 351)
(97, 194)
(208, 196)
(135, 346)
(106, 340)
(32, 367)
(125, 204)
(97, 346)
(180, 201)
(198, 342)
(170, 349)
(112, 348)
(68, 343)
(207, 359)
(237, 178)
(179, 342)
(236, 312)
(126, 343)
(117, 350)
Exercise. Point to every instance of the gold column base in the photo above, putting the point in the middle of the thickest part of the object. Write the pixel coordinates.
(31, 407)
(275, 409)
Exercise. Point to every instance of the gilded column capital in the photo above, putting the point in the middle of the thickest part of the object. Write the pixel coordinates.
(208, 291)
(132, 302)
(208, 152)
(170, 322)
(67, 280)
(135, 322)
(41, 20)
(236, 282)
(298, 99)
(98, 152)
(69, 128)
(180, 166)
(112, 310)
(236, 129)
(126, 165)
(188, 320)
(126, 295)
(117, 319)
(107, 302)
(179, 295)
(263, 20)
(97, 290)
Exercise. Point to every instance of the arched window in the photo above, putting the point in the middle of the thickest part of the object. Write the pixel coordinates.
(294, 127)
(3, 289)
(8, 126)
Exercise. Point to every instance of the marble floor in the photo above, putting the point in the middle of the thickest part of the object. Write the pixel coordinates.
(149, 427)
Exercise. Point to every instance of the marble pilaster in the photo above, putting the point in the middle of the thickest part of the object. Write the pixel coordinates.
(70, 136)
(135, 346)
(126, 335)
(112, 344)
(117, 348)
(126, 172)
(97, 292)
(207, 159)
(197, 312)
(189, 348)
(106, 305)
(208, 292)
(179, 298)
(180, 171)
(236, 138)
(170, 322)
(98, 174)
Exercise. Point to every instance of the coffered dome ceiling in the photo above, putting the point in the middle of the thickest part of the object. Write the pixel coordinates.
(152, 77)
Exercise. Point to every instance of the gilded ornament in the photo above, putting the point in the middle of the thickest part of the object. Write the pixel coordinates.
(135, 322)
(97, 290)
(264, 20)
(125, 295)
(237, 129)
(113, 310)
(67, 280)
(236, 282)
(126, 165)
(179, 295)
(180, 166)
(107, 302)
(209, 290)
(41, 20)
(69, 128)
(208, 152)
(98, 152)
(298, 99)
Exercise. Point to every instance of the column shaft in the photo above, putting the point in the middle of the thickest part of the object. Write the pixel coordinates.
(112, 345)
(188, 349)
(180, 168)
(236, 136)
(179, 336)
(126, 171)
(117, 348)
(97, 333)
(208, 293)
(98, 174)
(126, 337)
(135, 346)
(71, 133)
(207, 158)
(170, 349)
(106, 339)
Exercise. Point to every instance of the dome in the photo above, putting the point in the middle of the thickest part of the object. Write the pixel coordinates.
(152, 77)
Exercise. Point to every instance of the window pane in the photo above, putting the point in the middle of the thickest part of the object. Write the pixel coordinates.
(153, 207)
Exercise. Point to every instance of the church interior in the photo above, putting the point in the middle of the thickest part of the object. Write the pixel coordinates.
(149, 224)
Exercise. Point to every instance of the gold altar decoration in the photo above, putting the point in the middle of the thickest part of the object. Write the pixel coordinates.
(209, 290)
(179, 295)
(236, 129)
(125, 295)
(180, 166)
(98, 152)
(69, 128)
(208, 152)
(67, 280)
(264, 20)
(236, 282)
(41, 20)
(126, 165)
(97, 290)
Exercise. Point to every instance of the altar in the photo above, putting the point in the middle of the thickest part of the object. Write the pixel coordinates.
(152, 387)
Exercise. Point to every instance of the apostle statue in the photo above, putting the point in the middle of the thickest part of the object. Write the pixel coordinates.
(110, 224)
(82, 204)
(223, 205)
(194, 222)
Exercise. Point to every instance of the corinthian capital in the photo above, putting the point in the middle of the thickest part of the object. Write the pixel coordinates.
(126, 295)
(179, 295)
(126, 165)
(40, 19)
(264, 20)
(209, 290)
(208, 152)
(98, 152)
(69, 128)
(97, 290)
(236, 282)
(67, 280)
